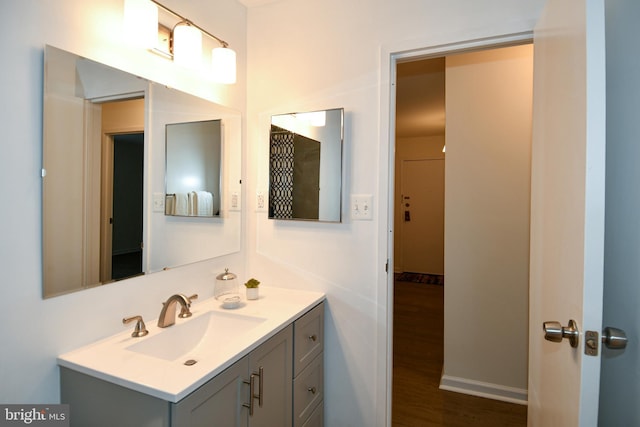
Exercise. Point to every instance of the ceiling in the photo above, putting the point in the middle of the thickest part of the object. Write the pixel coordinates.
(420, 95)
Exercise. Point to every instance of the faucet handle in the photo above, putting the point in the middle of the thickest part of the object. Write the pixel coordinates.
(184, 309)
(140, 329)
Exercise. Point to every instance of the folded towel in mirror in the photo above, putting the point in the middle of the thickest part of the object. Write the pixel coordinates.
(201, 203)
(182, 204)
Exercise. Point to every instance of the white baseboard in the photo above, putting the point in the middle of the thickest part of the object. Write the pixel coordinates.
(482, 389)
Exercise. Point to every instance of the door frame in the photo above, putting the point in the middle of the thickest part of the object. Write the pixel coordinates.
(390, 57)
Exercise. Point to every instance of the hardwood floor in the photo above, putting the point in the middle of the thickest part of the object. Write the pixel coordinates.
(417, 367)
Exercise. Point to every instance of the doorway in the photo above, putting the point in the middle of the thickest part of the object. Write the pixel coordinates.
(122, 183)
(487, 220)
(419, 166)
(128, 167)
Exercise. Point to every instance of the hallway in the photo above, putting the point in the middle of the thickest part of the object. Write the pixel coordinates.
(417, 367)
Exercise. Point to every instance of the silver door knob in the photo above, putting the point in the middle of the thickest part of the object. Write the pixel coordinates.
(555, 332)
(614, 338)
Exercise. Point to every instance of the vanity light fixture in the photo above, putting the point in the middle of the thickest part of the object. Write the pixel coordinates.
(185, 39)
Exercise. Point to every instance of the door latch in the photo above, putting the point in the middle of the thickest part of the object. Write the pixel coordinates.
(591, 343)
(612, 338)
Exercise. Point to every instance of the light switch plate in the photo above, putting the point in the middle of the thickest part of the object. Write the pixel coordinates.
(235, 202)
(361, 207)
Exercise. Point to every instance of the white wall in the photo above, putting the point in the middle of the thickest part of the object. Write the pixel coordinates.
(321, 54)
(34, 330)
(487, 205)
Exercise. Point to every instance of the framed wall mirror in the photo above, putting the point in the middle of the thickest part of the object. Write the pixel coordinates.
(103, 198)
(193, 157)
(305, 166)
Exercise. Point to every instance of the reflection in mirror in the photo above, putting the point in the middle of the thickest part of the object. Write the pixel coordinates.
(103, 173)
(93, 153)
(178, 240)
(193, 155)
(305, 166)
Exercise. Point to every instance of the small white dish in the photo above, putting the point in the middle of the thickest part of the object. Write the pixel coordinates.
(231, 301)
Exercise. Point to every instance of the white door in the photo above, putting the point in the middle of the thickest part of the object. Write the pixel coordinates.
(422, 216)
(567, 209)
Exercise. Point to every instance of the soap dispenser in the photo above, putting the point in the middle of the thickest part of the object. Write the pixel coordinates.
(226, 284)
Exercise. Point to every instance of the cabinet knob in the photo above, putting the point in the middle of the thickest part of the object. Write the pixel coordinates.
(313, 337)
(312, 390)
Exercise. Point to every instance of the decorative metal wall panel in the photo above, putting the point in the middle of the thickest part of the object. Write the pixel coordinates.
(281, 158)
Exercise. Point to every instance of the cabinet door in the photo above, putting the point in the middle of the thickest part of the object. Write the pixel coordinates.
(274, 360)
(218, 403)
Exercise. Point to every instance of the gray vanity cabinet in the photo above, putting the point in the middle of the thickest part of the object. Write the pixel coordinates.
(288, 389)
(225, 400)
(98, 403)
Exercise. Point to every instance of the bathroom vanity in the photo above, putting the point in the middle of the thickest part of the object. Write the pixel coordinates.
(258, 365)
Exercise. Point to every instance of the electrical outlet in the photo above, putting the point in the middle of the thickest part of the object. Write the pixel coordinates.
(361, 207)
(158, 202)
(260, 201)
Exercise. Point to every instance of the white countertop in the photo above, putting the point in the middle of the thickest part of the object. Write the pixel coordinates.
(110, 360)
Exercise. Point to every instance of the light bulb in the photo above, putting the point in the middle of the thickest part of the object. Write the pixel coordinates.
(187, 45)
(223, 63)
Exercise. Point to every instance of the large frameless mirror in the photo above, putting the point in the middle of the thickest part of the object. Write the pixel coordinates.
(104, 176)
(305, 166)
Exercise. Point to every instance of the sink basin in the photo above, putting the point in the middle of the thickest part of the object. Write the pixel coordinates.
(186, 335)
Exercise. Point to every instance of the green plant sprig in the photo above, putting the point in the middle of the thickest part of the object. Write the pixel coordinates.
(252, 283)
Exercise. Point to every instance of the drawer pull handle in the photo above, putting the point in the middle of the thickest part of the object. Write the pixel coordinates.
(260, 386)
(313, 337)
(252, 395)
(312, 390)
(251, 383)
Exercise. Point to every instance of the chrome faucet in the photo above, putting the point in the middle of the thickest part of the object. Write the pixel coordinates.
(168, 313)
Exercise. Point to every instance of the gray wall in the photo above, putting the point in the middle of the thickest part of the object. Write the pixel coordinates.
(620, 377)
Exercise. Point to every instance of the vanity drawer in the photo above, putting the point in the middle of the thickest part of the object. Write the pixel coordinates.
(308, 391)
(308, 338)
(316, 419)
